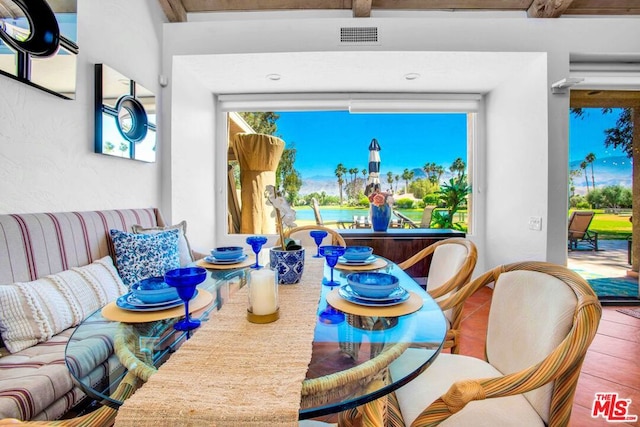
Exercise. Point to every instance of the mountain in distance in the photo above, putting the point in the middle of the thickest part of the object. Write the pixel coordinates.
(616, 170)
(318, 184)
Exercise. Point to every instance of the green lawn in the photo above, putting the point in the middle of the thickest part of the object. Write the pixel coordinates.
(610, 226)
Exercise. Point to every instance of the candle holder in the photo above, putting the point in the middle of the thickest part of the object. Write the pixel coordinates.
(262, 304)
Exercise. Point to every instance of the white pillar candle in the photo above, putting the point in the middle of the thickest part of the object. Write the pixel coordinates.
(263, 292)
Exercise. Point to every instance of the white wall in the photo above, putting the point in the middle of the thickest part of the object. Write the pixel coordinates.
(530, 125)
(516, 166)
(46, 143)
(192, 157)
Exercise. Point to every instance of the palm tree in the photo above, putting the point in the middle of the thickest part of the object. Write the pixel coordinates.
(439, 170)
(458, 167)
(397, 179)
(390, 179)
(430, 170)
(354, 174)
(590, 159)
(407, 176)
(583, 166)
(572, 174)
(340, 171)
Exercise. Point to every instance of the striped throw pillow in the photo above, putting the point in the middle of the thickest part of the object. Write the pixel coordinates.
(33, 312)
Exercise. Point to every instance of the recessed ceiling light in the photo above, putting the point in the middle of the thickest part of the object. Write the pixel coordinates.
(412, 76)
(273, 77)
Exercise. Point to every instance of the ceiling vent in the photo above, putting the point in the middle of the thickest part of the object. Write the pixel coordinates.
(359, 35)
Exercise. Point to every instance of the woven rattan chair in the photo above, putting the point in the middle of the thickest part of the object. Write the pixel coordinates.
(452, 264)
(302, 233)
(543, 317)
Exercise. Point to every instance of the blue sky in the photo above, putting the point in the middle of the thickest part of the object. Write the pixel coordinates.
(324, 139)
(586, 135)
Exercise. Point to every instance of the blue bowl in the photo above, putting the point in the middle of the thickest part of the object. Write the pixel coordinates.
(154, 290)
(357, 253)
(227, 252)
(372, 285)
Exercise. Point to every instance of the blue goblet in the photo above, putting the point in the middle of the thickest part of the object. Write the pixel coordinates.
(318, 236)
(185, 281)
(256, 243)
(331, 254)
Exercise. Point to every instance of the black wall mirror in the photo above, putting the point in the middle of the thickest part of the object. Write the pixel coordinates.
(38, 44)
(125, 114)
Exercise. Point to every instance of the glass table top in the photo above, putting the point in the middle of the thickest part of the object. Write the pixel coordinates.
(342, 341)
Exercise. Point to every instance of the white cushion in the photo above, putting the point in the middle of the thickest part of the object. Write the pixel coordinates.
(33, 312)
(531, 313)
(446, 262)
(184, 249)
(419, 393)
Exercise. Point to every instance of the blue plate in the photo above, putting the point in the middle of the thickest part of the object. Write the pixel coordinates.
(123, 303)
(213, 260)
(396, 297)
(367, 261)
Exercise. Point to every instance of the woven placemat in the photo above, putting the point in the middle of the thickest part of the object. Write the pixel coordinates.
(377, 264)
(112, 312)
(414, 303)
(251, 259)
(233, 372)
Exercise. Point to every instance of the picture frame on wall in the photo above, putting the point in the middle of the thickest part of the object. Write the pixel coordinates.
(125, 116)
(38, 44)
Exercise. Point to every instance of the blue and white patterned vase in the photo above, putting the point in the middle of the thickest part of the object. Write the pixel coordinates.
(288, 265)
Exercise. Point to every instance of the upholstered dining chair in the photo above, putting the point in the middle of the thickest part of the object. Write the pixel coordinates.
(542, 319)
(452, 264)
(302, 233)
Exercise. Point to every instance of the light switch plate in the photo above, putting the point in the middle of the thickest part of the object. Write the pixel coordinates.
(535, 223)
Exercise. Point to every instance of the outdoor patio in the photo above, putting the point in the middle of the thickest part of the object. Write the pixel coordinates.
(609, 263)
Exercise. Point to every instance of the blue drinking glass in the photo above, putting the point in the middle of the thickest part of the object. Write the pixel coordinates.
(331, 254)
(185, 281)
(318, 236)
(256, 243)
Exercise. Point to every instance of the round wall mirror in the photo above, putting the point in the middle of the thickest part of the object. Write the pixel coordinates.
(39, 35)
(132, 119)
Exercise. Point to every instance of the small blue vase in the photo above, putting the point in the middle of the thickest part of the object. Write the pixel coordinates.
(380, 217)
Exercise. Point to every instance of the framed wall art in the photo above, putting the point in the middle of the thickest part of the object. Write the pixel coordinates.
(125, 116)
(38, 44)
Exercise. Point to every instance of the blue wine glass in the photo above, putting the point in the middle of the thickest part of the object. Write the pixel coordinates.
(185, 281)
(331, 254)
(256, 243)
(318, 236)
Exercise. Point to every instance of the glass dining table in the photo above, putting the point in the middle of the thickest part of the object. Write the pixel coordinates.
(342, 343)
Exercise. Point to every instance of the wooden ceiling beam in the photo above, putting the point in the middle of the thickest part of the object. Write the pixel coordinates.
(547, 8)
(174, 10)
(604, 99)
(361, 8)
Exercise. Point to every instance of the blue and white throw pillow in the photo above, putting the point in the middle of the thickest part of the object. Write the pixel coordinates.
(139, 256)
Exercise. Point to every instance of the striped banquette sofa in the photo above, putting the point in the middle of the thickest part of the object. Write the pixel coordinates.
(71, 251)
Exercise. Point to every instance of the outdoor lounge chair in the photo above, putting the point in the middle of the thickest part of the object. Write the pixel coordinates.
(318, 217)
(579, 232)
(425, 222)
